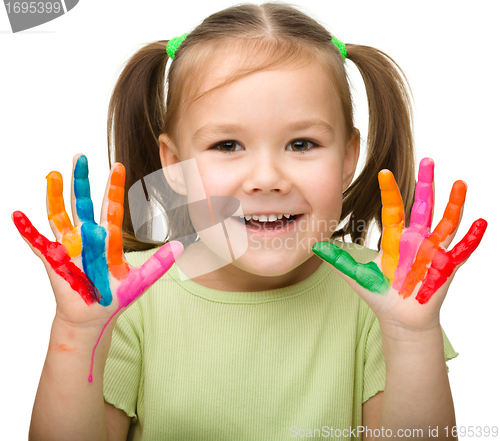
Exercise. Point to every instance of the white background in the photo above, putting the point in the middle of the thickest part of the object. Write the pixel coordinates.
(55, 86)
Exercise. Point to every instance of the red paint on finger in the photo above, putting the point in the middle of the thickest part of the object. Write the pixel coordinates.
(441, 268)
(58, 259)
(444, 263)
(463, 249)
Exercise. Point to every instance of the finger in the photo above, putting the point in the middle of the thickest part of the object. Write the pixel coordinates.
(418, 270)
(93, 236)
(56, 256)
(392, 222)
(114, 218)
(421, 212)
(463, 249)
(444, 263)
(367, 275)
(444, 232)
(81, 187)
(63, 229)
(140, 279)
(420, 223)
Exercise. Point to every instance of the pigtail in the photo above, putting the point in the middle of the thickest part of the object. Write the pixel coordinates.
(135, 119)
(389, 142)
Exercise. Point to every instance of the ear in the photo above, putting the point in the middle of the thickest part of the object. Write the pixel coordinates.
(350, 159)
(171, 164)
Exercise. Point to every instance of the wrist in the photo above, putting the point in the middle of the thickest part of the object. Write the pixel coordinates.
(408, 346)
(82, 337)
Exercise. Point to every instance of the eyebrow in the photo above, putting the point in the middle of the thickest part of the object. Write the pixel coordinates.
(231, 128)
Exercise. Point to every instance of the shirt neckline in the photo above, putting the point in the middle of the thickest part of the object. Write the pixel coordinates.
(247, 297)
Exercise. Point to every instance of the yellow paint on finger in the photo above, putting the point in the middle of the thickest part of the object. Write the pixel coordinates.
(71, 239)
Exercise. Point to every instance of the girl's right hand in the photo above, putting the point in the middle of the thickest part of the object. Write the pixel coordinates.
(87, 259)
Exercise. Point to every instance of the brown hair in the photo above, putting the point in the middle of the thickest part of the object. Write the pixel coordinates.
(264, 36)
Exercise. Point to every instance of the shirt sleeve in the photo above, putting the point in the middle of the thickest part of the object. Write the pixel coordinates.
(122, 373)
(374, 371)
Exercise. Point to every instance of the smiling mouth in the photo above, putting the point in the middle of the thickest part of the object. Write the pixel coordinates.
(267, 225)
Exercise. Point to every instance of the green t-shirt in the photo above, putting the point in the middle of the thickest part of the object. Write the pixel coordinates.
(192, 363)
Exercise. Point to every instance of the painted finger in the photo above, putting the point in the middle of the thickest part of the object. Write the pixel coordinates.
(140, 279)
(443, 233)
(367, 275)
(420, 223)
(444, 263)
(392, 222)
(94, 259)
(56, 256)
(421, 213)
(446, 229)
(81, 187)
(114, 218)
(63, 229)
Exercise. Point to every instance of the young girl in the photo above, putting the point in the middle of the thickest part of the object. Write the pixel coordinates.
(277, 343)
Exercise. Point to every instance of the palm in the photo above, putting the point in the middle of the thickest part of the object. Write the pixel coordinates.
(407, 282)
(87, 258)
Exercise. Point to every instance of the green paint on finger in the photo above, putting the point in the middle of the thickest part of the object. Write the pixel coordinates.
(368, 275)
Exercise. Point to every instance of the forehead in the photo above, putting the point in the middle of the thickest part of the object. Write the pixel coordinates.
(291, 91)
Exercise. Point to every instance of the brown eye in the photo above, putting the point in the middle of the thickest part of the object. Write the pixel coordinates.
(226, 146)
(301, 145)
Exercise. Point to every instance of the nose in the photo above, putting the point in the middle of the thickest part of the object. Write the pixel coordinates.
(267, 174)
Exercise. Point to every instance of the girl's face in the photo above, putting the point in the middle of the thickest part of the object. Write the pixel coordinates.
(275, 141)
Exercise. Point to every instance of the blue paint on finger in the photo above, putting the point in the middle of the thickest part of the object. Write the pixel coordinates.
(81, 185)
(93, 236)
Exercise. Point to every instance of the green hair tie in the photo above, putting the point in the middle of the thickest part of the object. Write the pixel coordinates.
(341, 46)
(174, 44)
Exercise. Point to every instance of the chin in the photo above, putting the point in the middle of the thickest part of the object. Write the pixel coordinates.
(267, 267)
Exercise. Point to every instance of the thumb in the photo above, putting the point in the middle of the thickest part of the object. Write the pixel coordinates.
(367, 275)
(140, 279)
(160, 262)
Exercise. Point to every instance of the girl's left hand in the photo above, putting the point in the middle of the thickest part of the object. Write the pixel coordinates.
(405, 285)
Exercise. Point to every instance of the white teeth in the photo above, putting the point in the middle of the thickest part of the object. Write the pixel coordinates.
(264, 218)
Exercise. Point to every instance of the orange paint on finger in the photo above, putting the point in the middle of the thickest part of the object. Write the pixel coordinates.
(392, 223)
(430, 245)
(117, 266)
(451, 216)
(71, 239)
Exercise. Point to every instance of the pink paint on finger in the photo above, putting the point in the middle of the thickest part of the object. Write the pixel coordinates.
(140, 279)
(421, 220)
(421, 213)
(408, 246)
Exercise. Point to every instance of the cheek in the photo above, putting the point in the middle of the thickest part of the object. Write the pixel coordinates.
(218, 181)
